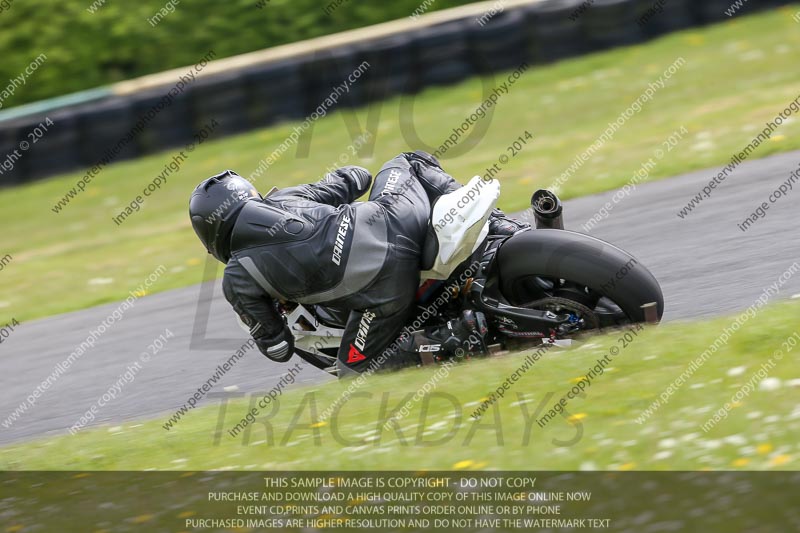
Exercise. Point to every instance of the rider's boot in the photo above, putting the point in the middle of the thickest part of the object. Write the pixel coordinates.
(456, 338)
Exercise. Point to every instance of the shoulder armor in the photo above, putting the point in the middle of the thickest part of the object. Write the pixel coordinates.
(260, 224)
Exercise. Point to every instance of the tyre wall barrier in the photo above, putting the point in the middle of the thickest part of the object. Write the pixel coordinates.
(551, 33)
(222, 99)
(610, 23)
(103, 131)
(326, 72)
(10, 171)
(163, 129)
(441, 53)
(274, 92)
(499, 44)
(291, 88)
(52, 148)
(658, 19)
(392, 67)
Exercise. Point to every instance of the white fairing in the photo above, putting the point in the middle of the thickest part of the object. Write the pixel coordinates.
(315, 339)
(461, 222)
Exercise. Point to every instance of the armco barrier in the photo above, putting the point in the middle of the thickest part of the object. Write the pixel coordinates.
(286, 83)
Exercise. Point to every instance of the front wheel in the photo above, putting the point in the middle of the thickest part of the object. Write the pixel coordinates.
(557, 268)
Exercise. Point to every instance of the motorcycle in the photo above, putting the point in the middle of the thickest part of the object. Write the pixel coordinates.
(539, 286)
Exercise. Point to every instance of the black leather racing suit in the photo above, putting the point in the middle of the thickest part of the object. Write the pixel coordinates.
(310, 244)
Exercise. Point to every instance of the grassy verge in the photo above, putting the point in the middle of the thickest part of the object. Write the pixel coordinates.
(761, 431)
(734, 80)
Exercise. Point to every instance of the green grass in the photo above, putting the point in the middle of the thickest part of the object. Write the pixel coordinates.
(737, 76)
(761, 432)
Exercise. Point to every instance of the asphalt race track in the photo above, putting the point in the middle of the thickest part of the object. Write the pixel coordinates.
(706, 265)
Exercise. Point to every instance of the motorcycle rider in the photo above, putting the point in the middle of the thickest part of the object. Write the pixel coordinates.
(311, 244)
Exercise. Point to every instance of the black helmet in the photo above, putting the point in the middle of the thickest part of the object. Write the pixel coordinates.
(213, 208)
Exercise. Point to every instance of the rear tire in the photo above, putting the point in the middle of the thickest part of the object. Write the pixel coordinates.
(527, 257)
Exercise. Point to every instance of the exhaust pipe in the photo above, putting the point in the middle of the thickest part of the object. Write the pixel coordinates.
(547, 210)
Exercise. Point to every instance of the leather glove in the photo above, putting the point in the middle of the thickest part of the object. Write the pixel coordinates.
(279, 348)
(500, 224)
(359, 179)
